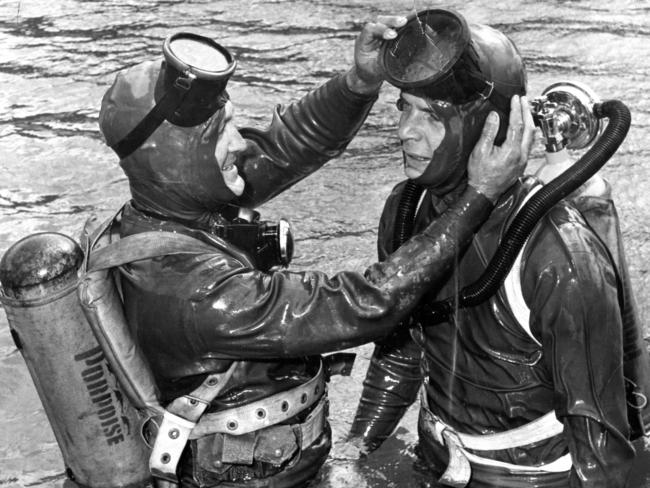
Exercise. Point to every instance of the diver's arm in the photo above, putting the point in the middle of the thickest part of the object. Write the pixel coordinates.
(302, 137)
(390, 387)
(289, 314)
(571, 288)
(296, 314)
(306, 134)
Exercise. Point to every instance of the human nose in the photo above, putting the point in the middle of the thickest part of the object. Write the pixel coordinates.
(408, 126)
(236, 143)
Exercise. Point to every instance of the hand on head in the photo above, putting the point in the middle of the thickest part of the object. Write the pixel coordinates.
(493, 169)
(366, 75)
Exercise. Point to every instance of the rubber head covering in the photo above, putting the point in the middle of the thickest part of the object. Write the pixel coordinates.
(464, 72)
(174, 172)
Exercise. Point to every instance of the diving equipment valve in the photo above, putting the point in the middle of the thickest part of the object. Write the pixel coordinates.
(564, 113)
(270, 244)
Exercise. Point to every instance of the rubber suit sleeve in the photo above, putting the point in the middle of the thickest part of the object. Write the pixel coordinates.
(288, 314)
(570, 286)
(302, 137)
(390, 387)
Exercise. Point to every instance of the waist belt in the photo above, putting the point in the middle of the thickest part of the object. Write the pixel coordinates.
(459, 469)
(262, 413)
(184, 418)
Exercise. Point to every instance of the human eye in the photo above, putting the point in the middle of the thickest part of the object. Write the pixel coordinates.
(401, 104)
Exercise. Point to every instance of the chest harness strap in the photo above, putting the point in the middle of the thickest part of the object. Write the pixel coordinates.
(179, 420)
(459, 470)
(512, 284)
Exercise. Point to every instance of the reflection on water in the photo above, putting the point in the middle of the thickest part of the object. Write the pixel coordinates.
(57, 59)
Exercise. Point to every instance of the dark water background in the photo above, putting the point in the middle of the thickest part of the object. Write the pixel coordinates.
(57, 58)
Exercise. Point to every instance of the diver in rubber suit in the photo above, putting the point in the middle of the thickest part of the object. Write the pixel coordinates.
(195, 314)
(482, 372)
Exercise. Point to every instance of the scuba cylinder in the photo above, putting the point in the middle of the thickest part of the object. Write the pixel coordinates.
(95, 427)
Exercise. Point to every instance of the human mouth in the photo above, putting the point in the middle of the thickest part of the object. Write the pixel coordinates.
(231, 178)
(228, 166)
(417, 157)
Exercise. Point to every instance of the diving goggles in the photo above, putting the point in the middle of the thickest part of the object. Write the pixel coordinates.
(192, 87)
(433, 55)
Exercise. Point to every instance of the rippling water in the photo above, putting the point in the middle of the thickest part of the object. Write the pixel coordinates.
(58, 58)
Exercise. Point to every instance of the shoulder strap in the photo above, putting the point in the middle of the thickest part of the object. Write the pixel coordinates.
(145, 245)
(514, 296)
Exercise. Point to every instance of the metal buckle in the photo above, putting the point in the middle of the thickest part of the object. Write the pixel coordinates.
(184, 82)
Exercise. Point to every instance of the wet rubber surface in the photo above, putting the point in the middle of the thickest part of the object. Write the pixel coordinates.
(58, 58)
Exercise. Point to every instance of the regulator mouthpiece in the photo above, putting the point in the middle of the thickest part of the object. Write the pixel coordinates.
(432, 53)
(564, 112)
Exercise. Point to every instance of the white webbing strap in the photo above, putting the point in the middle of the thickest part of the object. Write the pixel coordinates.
(458, 472)
(179, 420)
(263, 413)
(512, 284)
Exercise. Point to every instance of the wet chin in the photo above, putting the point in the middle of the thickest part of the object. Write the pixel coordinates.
(412, 173)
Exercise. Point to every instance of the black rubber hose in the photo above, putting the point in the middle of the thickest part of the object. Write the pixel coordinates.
(406, 209)
(540, 203)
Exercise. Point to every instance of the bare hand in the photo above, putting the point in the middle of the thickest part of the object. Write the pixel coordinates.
(366, 75)
(493, 169)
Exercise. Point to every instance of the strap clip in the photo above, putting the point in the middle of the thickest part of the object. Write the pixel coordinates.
(184, 82)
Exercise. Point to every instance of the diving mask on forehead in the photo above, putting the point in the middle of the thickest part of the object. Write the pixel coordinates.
(191, 87)
(434, 55)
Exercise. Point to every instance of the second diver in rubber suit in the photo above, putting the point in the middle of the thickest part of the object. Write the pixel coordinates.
(194, 314)
(482, 372)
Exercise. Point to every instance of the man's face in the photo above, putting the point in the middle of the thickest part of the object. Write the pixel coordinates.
(421, 131)
(229, 144)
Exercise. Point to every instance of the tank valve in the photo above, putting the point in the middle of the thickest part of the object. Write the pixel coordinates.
(564, 113)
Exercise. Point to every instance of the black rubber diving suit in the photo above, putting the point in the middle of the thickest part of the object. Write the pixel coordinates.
(195, 314)
(527, 388)
(485, 373)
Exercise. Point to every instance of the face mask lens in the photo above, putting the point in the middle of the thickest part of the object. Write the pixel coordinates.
(425, 49)
(201, 68)
(199, 54)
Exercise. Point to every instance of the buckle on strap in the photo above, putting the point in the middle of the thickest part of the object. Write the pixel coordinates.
(263, 413)
(179, 420)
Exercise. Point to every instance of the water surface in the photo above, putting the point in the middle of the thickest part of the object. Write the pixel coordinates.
(58, 58)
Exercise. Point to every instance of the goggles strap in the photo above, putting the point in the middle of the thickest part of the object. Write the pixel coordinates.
(167, 104)
(490, 92)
